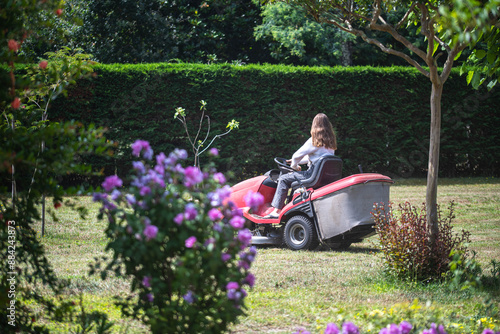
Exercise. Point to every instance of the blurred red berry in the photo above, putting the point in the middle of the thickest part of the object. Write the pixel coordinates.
(43, 64)
(13, 45)
(59, 12)
(16, 103)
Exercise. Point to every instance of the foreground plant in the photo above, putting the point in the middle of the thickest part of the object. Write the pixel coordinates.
(183, 245)
(403, 328)
(405, 243)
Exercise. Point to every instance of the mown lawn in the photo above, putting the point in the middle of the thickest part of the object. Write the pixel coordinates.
(308, 289)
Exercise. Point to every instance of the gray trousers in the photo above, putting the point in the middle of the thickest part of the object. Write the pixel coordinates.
(284, 183)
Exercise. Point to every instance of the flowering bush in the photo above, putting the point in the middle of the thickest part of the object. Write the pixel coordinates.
(405, 244)
(184, 245)
(403, 328)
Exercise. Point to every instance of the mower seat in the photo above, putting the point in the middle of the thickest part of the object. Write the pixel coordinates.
(327, 169)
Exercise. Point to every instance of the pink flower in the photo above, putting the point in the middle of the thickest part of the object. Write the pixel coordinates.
(190, 242)
(150, 232)
(214, 214)
(59, 12)
(214, 152)
(16, 103)
(237, 222)
(220, 178)
(13, 45)
(43, 64)
(232, 286)
(179, 218)
(254, 199)
(226, 257)
(111, 182)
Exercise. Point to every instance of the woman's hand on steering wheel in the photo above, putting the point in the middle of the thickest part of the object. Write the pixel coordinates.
(289, 161)
(282, 165)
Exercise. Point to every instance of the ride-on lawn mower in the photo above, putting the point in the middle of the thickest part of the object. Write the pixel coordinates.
(324, 208)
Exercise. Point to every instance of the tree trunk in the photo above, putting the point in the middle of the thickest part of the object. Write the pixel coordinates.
(432, 173)
(346, 58)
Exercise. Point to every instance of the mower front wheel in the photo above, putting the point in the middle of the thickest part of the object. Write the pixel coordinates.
(299, 234)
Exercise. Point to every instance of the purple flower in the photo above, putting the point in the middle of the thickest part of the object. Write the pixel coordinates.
(331, 328)
(99, 197)
(150, 232)
(391, 329)
(150, 297)
(140, 145)
(115, 194)
(488, 331)
(190, 242)
(226, 257)
(250, 280)
(131, 199)
(160, 159)
(190, 211)
(243, 265)
(215, 215)
(193, 176)
(244, 236)
(180, 154)
(232, 291)
(219, 196)
(146, 281)
(111, 182)
(349, 328)
(254, 199)
(145, 190)
(405, 327)
(213, 151)
(220, 178)
(139, 166)
(237, 222)
(189, 297)
(209, 241)
(179, 218)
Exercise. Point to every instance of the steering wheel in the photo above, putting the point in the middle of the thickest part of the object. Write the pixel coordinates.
(282, 165)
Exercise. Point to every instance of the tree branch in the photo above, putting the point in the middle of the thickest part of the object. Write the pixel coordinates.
(405, 17)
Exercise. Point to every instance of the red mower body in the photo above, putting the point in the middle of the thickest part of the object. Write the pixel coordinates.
(336, 214)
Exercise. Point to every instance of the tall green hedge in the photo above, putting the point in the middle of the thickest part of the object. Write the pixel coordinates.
(381, 115)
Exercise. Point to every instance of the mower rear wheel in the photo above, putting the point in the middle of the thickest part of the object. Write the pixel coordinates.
(299, 234)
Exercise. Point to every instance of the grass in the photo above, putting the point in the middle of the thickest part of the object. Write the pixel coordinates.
(305, 289)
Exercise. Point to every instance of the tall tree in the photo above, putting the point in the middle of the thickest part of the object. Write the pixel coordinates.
(484, 62)
(355, 17)
(296, 38)
(155, 31)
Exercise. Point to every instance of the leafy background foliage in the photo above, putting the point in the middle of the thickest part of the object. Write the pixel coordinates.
(380, 114)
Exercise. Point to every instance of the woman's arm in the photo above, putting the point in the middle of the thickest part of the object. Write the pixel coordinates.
(301, 155)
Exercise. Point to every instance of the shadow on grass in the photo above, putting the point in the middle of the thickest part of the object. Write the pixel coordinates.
(362, 249)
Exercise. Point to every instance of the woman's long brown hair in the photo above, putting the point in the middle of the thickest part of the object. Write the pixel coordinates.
(322, 132)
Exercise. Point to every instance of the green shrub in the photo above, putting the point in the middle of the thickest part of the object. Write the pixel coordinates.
(182, 244)
(405, 244)
(381, 115)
